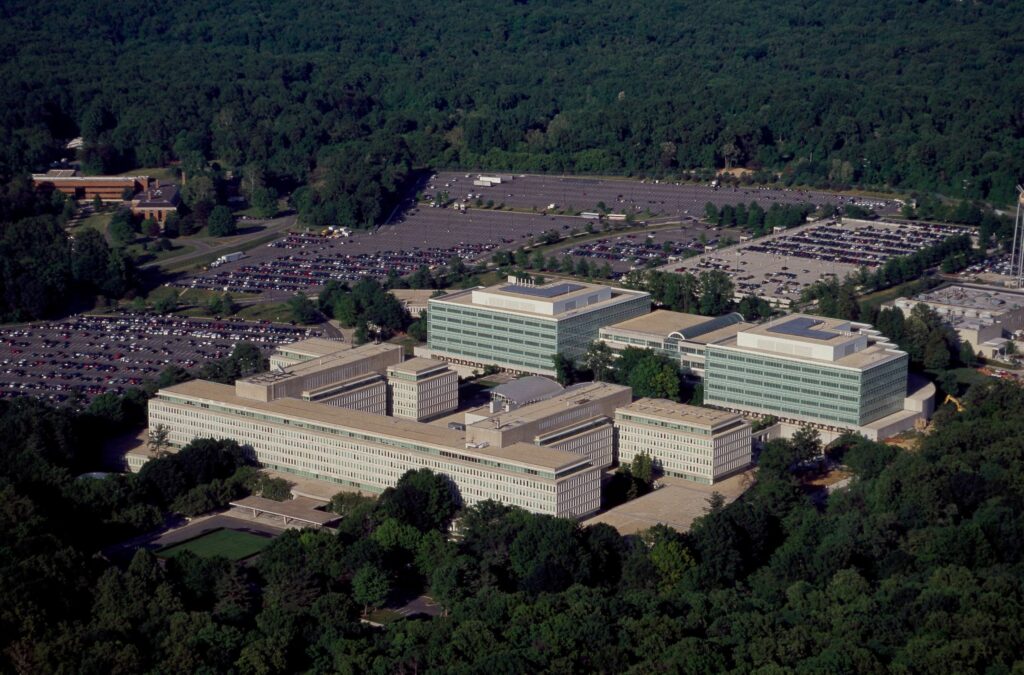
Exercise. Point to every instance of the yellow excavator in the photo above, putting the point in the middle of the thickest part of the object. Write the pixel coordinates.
(950, 399)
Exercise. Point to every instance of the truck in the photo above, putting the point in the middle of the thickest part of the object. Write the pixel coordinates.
(482, 183)
(493, 180)
(227, 257)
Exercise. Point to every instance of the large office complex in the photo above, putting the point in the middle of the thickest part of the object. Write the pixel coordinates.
(681, 337)
(371, 453)
(520, 327)
(578, 419)
(807, 369)
(422, 389)
(685, 441)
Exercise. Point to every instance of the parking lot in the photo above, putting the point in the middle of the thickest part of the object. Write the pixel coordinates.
(666, 200)
(624, 252)
(83, 356)
(780, 266)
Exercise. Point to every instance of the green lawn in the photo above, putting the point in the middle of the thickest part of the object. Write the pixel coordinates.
(97, 221)
(229, 544)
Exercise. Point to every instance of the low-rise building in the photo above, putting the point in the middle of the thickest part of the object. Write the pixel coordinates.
(371, 453)
(107, 188)
(422, 389)
(681, 337)
(414, 300)
(519, 327)
(156, 202)
(684, 441)
(982, 316)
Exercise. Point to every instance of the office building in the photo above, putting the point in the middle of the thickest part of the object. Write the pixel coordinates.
(806, 369)
(107, 188)
(520, 327)
(578, 419)
(156, 201)
(684, 441)
(352, 378)
(681, 337)
(422, 389)
(371, 453)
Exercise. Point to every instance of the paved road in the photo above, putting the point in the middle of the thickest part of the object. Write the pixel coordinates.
(205, 247)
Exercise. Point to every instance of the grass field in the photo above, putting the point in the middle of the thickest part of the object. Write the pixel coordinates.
(229, 544)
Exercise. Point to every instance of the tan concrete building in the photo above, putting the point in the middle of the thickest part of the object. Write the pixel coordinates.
(371, 453)
(685, 441)
(577, 420)
(304, 350)
(422, 389)
(347, 379)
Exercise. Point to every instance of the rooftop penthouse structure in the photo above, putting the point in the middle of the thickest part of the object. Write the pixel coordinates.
(520, 327)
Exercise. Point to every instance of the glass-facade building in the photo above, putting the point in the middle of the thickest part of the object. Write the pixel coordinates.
(520, 327)
(808, 369)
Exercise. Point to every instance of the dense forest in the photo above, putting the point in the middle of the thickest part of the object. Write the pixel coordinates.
(915, 567)
(348, 98)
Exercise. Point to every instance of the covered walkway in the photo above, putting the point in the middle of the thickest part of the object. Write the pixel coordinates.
(298, 511)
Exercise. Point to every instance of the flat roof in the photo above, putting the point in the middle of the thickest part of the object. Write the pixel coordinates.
(660, 322)
(547, 291)
(871, 355)
(298, 509)
(466, 298)
(805, 328)
(573, 396)
(316, 364)
(314, 347)
(413, 294)
(694, 327)
(989, 298)
(417, 365)
(670, 411)
(375, 425)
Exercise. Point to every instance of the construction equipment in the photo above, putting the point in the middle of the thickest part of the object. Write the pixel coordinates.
(951, 399)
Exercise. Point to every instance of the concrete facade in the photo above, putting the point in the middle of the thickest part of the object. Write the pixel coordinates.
(371, 453)
(422, 389)
(684, 441)
(308, 379)
(577, 420)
